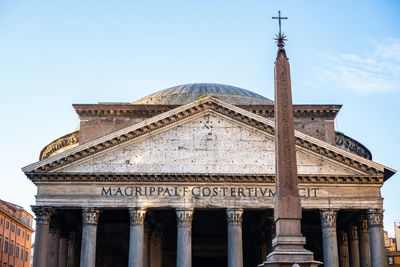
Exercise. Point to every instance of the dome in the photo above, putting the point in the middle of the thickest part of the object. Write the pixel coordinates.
(187, 93)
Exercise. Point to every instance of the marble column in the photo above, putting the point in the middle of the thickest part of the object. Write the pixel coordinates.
(71, 249)
(329, 239)
(53, 246)
(235, 245)
(184, 245)
(136, 241)
(156, 251)
(90, 218)
(354, 247)
(375, 226)
(43, 215)
(146, 237)
(363, 236)
(63, 250)
(344, 250)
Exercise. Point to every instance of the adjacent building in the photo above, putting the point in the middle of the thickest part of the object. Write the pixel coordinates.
(15, 235)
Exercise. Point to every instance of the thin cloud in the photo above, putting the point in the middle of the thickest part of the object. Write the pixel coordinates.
(376, 71)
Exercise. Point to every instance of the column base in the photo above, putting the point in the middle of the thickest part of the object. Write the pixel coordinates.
(289, 250)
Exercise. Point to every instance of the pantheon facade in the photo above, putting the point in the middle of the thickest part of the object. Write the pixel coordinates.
(186, 177)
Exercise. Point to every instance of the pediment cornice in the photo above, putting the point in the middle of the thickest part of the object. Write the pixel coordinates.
(183, 113)
(195, 178)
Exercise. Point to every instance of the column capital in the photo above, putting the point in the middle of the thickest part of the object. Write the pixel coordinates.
(363, 225)
(43, 214)
(184, 217)
(234, 216)
(137, 216)
(90, 215)
(353, 234)
(375, 217)
(343, 237)
(328, 218)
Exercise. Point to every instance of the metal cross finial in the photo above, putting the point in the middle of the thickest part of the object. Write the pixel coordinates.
(279, 18)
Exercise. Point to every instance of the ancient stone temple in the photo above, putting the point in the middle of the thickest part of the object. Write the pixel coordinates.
(186, 177)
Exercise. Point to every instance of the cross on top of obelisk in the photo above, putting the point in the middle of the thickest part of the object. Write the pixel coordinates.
(279, 18)
(280, 38)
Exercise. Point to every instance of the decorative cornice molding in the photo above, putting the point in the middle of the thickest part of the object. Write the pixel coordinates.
(195, 178)
(375, 217)
(328, 218)
(43, 214)
(184, 217)
(234, 216)
(90, 215)
(208, 105)
(137, 216)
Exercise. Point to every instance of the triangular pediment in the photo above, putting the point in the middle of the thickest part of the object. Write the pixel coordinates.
(206, 136)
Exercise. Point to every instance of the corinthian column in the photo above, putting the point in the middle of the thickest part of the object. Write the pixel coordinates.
(137, 216)
(184, 247)
(363, 234)
(329, 240)
(90, 218)
(354, 247)
(344, 250)
(375, 225)
(235, 251)
(43, 215)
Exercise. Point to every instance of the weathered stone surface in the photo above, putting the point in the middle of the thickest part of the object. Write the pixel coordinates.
(209, 144)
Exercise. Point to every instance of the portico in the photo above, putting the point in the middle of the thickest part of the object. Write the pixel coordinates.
(195, 186)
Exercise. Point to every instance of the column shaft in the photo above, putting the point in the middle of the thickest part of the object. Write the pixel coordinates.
(344, 250)
(90, 218)
(329, 239)
(146, 247)
(42, 235)
(235, 249)
(354, 247)
(363, 234)
(53, 246)
(184, 239)
(137, 216)
(156, 251)
(63, 251)
(375, 226)
(71, 249)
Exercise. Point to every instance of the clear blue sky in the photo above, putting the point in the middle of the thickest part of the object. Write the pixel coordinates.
(55, 53)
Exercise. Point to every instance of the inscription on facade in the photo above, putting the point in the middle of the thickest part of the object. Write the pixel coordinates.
(200, 191)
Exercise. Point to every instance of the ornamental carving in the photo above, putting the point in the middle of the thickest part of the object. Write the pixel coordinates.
(375, 217)
(363, 225)
(328, 218)
(184, 217)
(90, 215)
(234, 216)
(137, 216)
(43, 214)
(353, 234)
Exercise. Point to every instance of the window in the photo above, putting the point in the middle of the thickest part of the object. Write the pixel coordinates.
(0, 244)
(6, 247)
(12, 250)
(22, 253)
(13, 228)
(29, 221)
(17, 253)
(1, 220)
(19, 231)
(27, 236)
(7, 225)
(390, 260)
(23, 233)
(26, 256)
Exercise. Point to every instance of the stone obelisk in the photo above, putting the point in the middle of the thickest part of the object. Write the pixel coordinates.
(289, 242)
